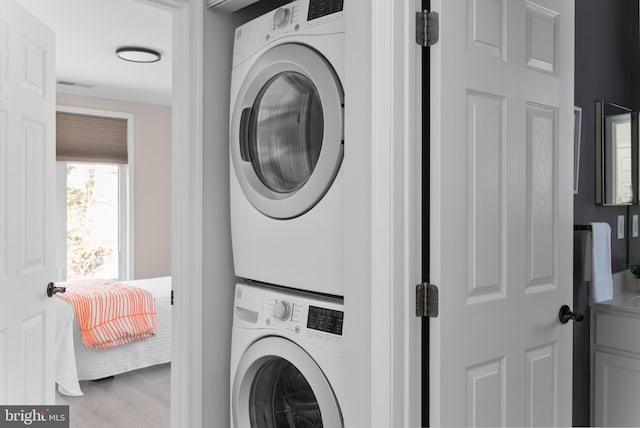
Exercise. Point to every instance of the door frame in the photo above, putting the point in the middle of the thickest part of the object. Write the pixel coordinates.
(187, 209)
(394, 265)
(387, 178)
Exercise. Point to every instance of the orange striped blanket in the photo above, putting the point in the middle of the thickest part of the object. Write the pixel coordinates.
(110, 313)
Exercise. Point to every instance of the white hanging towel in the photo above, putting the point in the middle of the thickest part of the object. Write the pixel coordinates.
(597, 262)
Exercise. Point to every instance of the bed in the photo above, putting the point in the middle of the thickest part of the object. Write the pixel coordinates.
(76, 362)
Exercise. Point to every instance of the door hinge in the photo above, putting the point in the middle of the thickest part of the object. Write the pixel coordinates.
(426, 300)
(171, 297)
(427, 28)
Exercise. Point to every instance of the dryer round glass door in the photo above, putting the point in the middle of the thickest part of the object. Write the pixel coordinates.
(284, 133)
(278, 385)
(287, 131)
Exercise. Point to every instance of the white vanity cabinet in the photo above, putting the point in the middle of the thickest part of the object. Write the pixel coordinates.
(617, 389)
(615, 360)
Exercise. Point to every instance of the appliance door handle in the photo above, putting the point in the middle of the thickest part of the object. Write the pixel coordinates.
(245, 120)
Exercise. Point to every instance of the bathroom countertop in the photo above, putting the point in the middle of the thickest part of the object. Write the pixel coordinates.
(624, 295)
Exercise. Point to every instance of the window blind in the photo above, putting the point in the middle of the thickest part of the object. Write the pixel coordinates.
(88, 138)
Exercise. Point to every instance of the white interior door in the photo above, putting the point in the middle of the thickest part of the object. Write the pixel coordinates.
(501, 212)
(27, 179)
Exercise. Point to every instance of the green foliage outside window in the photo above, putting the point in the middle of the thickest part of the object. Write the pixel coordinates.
(85, 254)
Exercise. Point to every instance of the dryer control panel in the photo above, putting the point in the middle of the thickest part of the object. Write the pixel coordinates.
(305, 316)
(320, 8)
(295, 19)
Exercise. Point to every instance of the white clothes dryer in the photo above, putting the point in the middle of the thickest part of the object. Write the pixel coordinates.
(286, 147)
(286, 359)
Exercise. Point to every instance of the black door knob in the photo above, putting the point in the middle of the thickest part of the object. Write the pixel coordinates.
(566, 315)
(52, 289)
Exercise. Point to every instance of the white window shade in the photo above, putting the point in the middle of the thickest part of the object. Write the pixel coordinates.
(88, 138)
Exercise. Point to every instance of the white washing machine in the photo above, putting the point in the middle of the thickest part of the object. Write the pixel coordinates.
(286, 359)
(286, 147)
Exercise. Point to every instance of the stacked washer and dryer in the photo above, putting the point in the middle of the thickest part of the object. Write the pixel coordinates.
(286, 149)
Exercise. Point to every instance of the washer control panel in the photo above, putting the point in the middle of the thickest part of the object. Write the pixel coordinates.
(281, 17)
(282, 310)
(327, 320)
(303, 315)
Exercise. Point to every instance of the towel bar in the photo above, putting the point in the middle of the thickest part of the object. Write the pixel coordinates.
(581, 227)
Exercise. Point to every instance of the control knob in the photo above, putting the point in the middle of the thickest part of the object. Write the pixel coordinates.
(281, 17)
(282, 310)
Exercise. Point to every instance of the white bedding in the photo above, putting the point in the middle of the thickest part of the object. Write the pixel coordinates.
(76, 362)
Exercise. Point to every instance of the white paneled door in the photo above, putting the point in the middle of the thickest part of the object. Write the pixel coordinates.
(501, 212)
(27, 177)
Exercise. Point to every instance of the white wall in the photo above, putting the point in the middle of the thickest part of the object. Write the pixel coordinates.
(152, 180)
(219, 281)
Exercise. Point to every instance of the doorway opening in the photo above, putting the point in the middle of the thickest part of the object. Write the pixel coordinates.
(126, 232)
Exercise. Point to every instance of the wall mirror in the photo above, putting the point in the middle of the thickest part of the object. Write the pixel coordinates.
(615, 184)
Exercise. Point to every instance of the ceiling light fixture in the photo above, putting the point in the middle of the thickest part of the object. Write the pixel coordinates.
(138, 54)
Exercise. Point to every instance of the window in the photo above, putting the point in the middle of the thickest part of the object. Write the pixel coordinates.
(94, 194)
(95, 226)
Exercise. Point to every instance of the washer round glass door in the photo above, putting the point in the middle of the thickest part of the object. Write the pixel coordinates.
(286, 130)
(278, 385)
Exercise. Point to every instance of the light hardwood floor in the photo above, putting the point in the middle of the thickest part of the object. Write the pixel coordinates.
(137, 399)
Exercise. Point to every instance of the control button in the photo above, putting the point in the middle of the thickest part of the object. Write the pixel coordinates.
(282, 310)
(281, 17)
